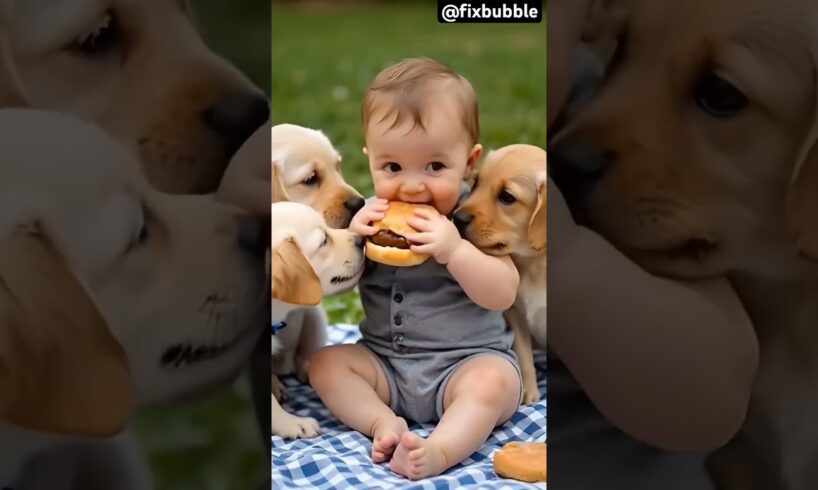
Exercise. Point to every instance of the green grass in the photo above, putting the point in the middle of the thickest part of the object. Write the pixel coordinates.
(322, 61)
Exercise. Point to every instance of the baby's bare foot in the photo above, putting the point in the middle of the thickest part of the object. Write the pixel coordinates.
(416, 457)
(385, 437)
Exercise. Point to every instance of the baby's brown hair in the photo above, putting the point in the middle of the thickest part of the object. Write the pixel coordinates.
(404, 87)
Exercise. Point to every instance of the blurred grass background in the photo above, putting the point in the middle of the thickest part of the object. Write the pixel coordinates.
(325, 54)
(320, 60)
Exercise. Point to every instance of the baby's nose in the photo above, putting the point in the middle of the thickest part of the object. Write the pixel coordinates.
(413, 186)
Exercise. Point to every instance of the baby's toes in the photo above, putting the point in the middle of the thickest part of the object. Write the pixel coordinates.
(417, 455)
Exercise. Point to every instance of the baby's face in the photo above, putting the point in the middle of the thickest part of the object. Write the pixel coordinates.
(417, 165)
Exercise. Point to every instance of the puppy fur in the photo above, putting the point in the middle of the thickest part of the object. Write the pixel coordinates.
(505, 215)
(306, 168)
(116, 262)
(141, 71)
(694, 191)
(308, 260)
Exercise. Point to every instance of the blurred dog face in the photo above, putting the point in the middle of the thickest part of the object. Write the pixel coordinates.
(178, 281)
(140, 70)
(307, 169)
(687, 158)
(309, 259)
(505, 212)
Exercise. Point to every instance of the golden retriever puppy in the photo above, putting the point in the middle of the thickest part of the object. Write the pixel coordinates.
(114, 295)
(698, 158)
(308, 260)
(505, 215)
(306, 168)
(141, 71)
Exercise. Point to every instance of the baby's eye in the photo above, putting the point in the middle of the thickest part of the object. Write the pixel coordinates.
(392, 167)
(436, 166)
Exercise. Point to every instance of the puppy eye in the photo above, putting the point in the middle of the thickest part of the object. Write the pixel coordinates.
(435, 166)
(718, 97)
(392, 167)
(506, 198)
(100, 39)
(618, 54)
(326, 240)
(143, 235)
(311, 180)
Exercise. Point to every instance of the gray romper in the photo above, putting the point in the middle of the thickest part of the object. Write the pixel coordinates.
(422, 326)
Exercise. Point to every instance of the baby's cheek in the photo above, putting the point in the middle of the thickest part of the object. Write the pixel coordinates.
(384, 189)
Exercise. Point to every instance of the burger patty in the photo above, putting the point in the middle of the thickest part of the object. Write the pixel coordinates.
(387, 238)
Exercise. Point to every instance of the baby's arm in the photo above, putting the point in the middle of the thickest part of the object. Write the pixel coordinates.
(490, 282)
(668, 362)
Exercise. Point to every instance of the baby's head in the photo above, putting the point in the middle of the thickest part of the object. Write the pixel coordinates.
(421, 130)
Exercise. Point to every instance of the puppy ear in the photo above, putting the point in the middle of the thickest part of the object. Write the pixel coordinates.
(802, 198)
(60, 368)
(279, 193)
(12, 93)
(537, 224)
(294, 281)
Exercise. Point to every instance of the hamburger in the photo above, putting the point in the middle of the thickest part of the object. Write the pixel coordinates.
(389, 245)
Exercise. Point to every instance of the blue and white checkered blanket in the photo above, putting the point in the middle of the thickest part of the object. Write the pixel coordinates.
(340, 458)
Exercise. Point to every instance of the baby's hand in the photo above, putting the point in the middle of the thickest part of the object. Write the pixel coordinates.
(372, 211)
(436, 235)
(246, 182)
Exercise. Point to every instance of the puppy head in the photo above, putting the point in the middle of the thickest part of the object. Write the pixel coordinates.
(684, 157)
(141, 71)
(179, 280)
(63, 370)
(308, 258)
(307, 169)
(505, 212)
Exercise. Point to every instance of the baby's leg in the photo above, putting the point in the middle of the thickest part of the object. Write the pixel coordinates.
(351, 383)
(483, 393)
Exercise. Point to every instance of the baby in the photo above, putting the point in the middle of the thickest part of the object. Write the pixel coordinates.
(434, 344)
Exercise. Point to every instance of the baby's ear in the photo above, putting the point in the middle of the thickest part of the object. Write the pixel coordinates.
(471, 164)
(474, 154)
(364, 151)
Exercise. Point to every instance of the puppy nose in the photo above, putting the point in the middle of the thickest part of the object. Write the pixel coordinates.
(577, 165)
(253, 234)
(462, 220)
(354, 204)
(235, 116)
(359, 241)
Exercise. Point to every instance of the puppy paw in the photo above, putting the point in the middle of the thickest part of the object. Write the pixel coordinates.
(291, 427)
(278, 389)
